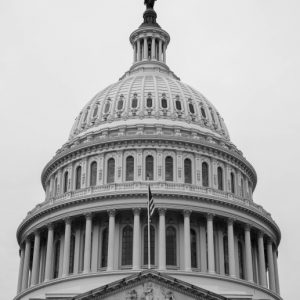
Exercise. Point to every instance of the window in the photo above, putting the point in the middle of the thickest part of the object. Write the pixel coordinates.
(85, 116)
(93, 173)
(203, 112)
(129, 168)
(226, 257)
(56, 258)
(72, 253)
(149, 101)
(220, 178)
(127, 240)
(66, 176)
(152, 245)
(111, 170)
(149, 168)
(187, 171)
(241, 259)
(134, 102)
(205, 174)
(178, 105)
(193, 249)
(212, 115)
(104, 248)
(78, 178)
(95, 111)
(169, 169)
(191, 108)
(107, 107)
(232, 182)
(171, 246)
(164, 102)
(120, 103)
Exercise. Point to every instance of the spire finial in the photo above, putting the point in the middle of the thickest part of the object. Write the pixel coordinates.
(149, 4)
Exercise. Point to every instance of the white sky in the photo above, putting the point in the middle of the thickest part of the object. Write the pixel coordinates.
(243, 55)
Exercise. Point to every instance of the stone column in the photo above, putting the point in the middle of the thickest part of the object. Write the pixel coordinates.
(160, 50)
(36, 258)
(221, 251)
(276, 271)
(231, 254)
(139, 50)
(49, 253)
(26, 265)
(261, 261)
(87, 244)
(248, 252)
(136, 260)
(95, 244)
(111, 240)
(153, 48)
(67, 243)
(162, 239)
(145, 48)
(164, 52)
(210, 244)
(203, 256)
(76, 251)
(134, 53)
(187, 240)
(272, 284)
(22, 254)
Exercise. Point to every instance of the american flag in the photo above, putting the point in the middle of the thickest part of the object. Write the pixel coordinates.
(151, 206)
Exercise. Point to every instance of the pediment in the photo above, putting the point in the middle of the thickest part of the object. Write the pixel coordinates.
(149, 285)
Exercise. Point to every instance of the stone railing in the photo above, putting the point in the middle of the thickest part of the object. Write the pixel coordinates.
(169, 187)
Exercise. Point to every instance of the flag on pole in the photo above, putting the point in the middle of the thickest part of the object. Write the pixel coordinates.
(151, 206)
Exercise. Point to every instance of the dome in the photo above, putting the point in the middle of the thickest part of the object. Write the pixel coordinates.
(149, 97)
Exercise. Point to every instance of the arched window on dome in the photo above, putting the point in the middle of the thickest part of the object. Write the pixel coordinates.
(212, 115)
(193, 249)
(134, 101)
(120, 103)
(205, 174)
(149, 101)
(178, 104)
(187, 171)
(107, 107)
(220, 179)
(164, 101)
(191, 108)
(241, 259)
(56, 259)
(104, 248)
(85, 116)
(129, 168)
(232, 182)
(203, 113)
(169, 168)
(72, 253)
(66, 178)
(226, 256)
(127, 240)
(95, 112)
(149, 170)
(93, 173)
(171, 246)
(152, 245)
(78, 178)
(111, 170)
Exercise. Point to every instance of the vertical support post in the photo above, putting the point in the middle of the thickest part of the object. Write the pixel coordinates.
(210, 244)
(203, 254)
(26, 265)
(162, 239)
(87, 245)
(276, 271)
(187, 240)
(231, 248)
(272, 284)
(138, 50)
(221, 251)
(248, 251)
(261, 260)
(111, 239)
(136, 265)
(153, 48)
(145, 49)
(49, 253)
(22, 254)
(67, 244)
(36, 258)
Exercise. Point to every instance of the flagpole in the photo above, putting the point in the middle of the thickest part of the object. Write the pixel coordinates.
(149, 254)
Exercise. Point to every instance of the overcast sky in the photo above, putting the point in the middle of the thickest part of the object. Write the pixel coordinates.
(243, 55)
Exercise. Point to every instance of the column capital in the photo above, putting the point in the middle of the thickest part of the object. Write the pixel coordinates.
(247, 227)
(230, 221)
(162, 211)
(136, 211)
(210, 216)
(111, 212)
(68, 220)
(187, 212)
(260, 234)
(37, 232)
(88, 215)
(50, 226)
(269, 241)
